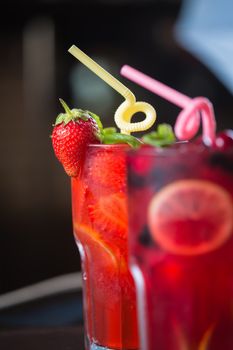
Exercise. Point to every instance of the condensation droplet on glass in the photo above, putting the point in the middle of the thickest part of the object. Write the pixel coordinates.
(84, 276)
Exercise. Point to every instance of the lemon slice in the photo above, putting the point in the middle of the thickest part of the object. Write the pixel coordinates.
(191, 217)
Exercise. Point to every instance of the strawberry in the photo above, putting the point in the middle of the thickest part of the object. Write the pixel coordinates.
(73, 131)
(107, 169)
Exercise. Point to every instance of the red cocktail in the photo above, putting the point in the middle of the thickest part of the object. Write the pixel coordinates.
(181, 246)
(100, 229)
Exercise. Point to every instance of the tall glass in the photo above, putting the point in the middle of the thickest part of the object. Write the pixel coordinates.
(100, 227)
(181, 246)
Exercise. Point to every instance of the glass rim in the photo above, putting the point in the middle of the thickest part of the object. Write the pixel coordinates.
(194, 150)
(146, 150)
(167, 151)
(102, 145)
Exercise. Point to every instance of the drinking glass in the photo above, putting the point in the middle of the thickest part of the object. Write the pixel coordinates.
(181, 246)
(100, 225)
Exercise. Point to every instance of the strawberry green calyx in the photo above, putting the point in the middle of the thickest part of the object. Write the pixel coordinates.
(71, 114)
(97, 119)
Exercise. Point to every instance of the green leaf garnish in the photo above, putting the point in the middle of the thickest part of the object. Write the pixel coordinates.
(111, 130)
(110, 138)
(163, 136)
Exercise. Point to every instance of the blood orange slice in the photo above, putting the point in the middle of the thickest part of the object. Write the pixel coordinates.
(109, 214)
(99, 260)
(92, 242)
(191, 217)
(103, 270)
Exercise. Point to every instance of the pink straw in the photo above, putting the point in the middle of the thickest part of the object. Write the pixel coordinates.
(188, 120)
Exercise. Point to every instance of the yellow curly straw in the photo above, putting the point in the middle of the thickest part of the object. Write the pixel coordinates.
(129, 107)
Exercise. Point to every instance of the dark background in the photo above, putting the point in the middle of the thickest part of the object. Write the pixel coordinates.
(36, 240)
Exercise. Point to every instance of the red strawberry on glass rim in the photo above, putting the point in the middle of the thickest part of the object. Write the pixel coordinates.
(73, 131)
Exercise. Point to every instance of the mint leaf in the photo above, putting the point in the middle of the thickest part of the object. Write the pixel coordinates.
(116, 138)
(163, 136)
(107, 131)
(110, 136)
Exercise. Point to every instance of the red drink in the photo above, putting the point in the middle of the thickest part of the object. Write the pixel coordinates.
(181, 246)
(100, 229)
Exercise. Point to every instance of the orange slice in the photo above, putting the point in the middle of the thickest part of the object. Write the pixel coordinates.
(92, 242)
(191, 217)
(109, 214)
(100, 253)
(104, 270)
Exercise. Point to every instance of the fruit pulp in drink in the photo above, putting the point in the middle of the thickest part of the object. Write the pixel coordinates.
(100, 229)
(181, 247)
